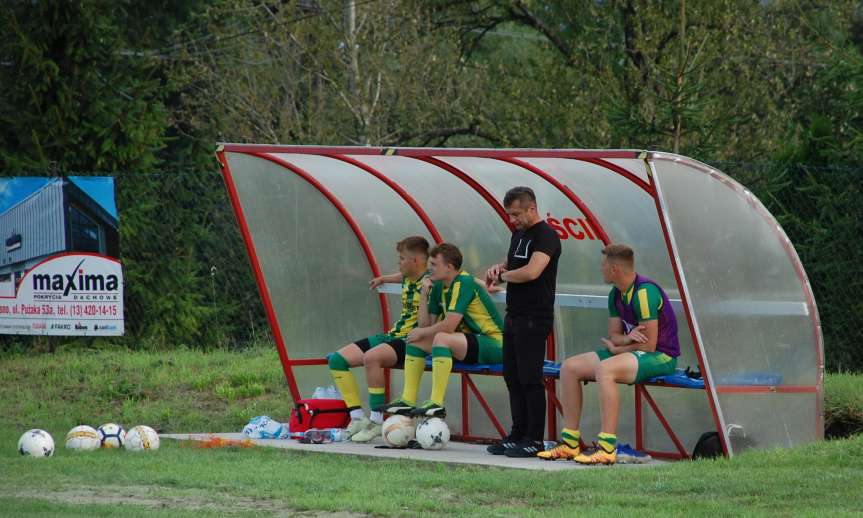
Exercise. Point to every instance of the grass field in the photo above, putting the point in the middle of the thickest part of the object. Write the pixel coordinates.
(185, 390)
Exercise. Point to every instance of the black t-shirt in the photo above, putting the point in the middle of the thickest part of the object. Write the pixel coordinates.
(534, 298)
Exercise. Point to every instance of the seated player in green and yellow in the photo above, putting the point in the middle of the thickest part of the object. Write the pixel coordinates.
(457, 321)
(378, 352)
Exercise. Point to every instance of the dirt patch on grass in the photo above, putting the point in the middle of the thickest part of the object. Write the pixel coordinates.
(165, 498)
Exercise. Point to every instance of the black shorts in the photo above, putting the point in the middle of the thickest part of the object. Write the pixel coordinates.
(472, 354)
(373, 341)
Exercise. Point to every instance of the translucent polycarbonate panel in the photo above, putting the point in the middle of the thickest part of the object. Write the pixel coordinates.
(633, 165)
(748, 298)
(381, 213)
(770, 419)
(749, 301)
(627, 212)
(315, 270)
(461, 215)
(579, 263)
(687, 412)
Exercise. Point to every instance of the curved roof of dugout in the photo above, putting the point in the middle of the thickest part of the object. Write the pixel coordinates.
(320, 221)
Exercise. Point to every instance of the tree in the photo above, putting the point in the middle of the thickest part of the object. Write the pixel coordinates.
(72, 95)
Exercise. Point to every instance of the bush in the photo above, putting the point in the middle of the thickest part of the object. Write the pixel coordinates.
(843, 405)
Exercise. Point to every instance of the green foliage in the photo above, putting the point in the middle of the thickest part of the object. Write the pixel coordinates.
(843, 405)
(74, 92)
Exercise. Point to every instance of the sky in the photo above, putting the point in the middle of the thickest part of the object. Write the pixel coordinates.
(100, 188)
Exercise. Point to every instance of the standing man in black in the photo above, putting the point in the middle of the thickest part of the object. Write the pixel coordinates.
(530, 272)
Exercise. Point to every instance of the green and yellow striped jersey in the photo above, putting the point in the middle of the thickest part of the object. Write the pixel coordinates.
(410, 307)
(471, 301)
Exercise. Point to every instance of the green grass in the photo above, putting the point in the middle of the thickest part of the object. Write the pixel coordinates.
(188, 391)
(843, 406)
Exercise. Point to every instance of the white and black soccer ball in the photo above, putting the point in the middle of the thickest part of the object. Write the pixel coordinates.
(141, 438)
(433, 434)
(36, 443)
(83, 438)
(398, 431)
(111, 435)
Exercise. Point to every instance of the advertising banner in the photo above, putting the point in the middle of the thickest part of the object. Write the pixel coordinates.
(69, 294)
(59, 273)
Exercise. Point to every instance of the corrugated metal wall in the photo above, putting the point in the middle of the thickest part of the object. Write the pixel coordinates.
(39, 219)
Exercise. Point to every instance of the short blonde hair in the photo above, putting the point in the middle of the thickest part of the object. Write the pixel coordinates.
(620, 254)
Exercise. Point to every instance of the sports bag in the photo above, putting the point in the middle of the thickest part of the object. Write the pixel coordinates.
(319, 413)
(708, 446)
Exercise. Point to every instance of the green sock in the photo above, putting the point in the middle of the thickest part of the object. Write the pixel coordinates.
(376, 397)
(571, 437)
(607, 441)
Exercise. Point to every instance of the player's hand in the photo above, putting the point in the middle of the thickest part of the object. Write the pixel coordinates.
(637, 335)
(609, 345)
(426, 285)
(374, 283)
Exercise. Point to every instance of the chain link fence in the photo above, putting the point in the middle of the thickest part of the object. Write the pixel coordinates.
(188, 280)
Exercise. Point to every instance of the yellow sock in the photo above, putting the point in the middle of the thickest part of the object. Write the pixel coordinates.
(571, 437)
(441, 368)
(345, 381)
(415, 365)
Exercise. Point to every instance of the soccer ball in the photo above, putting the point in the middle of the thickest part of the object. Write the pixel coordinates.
(398, 431)
(142, 438)
(433, 434)
(84, 438)
(36, 443)
(111, 435)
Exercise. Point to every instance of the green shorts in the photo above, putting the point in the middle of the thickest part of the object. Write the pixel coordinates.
(482, 349)
(649, 364)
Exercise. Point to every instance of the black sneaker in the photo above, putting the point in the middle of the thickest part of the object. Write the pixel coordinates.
(399, 406)
(525, 448)
(501, 446)
(429, 409)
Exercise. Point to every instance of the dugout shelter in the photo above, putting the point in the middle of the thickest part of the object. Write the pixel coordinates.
(319, 222)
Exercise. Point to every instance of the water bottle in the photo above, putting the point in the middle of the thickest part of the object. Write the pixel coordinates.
(317, 436)
(320, 393)
(340, 435)
(325, 435)
(549, 445)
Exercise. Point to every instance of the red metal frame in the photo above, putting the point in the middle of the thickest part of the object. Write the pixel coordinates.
(641, 391)
(566, 192)
(259, 276)
(398, 189)
(427, 152)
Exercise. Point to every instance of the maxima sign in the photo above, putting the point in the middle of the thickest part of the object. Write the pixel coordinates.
(71, 294)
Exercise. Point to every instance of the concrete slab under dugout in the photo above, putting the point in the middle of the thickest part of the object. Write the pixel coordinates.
(455, 453)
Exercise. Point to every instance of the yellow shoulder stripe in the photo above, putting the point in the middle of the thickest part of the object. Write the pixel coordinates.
(643, 304)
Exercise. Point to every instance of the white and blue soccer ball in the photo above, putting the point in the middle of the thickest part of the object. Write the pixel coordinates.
(433, 434)
(111, 435)
(142, 438)
(36, 443)
(83, 438)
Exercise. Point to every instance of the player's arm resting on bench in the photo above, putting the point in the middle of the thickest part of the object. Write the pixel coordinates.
(390, 277)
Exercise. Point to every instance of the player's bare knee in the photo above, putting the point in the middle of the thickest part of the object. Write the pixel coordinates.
(443, 340)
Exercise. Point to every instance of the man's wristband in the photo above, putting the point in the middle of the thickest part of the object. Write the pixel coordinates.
(500, 277)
